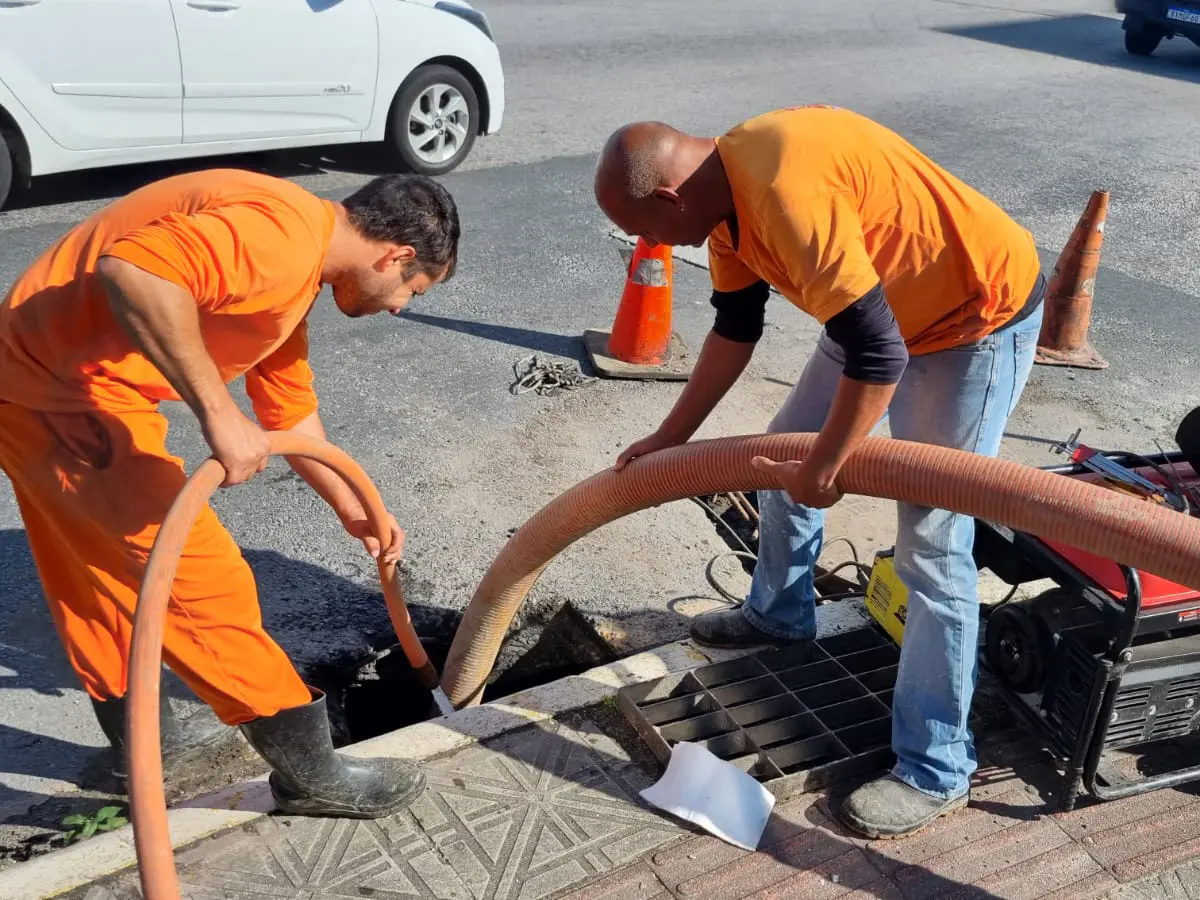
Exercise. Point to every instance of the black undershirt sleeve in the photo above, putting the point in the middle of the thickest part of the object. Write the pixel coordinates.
(741, 314)
(869, 336)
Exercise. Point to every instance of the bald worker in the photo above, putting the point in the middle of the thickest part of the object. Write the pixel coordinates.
(171, 293)
(930, 298)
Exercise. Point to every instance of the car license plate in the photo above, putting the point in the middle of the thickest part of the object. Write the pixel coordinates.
(1184, 15)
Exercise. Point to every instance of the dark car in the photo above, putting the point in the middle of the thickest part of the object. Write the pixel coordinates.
(1147, 22)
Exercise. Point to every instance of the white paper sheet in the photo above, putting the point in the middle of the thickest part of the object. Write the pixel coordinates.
(703, 789)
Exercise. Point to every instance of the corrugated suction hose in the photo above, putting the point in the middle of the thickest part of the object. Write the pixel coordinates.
(1069, 510)
(152, 839)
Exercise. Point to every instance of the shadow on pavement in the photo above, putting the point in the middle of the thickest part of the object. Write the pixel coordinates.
(1090, 39)
(108, 183)
(569, 346)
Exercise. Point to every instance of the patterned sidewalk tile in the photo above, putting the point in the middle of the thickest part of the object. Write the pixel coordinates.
(552, 812)
(1181, 883)
(523, 817)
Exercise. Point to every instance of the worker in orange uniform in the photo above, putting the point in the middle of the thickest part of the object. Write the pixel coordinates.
(930, 298)
(170, 294)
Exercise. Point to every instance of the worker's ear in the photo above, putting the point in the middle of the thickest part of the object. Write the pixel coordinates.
(396, 255)
(670, 195)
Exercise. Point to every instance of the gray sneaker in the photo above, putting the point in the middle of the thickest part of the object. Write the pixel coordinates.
(888, 808)
(729, 628)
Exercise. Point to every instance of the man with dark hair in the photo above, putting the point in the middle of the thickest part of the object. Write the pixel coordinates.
(171, 293)
(930, 298)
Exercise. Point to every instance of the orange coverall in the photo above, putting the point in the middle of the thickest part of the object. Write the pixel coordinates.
(83, 443)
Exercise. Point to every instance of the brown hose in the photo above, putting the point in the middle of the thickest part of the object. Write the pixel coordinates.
(151, 836)
(1091, 518)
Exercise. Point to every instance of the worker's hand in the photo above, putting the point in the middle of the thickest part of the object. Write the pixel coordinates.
(802, 483)
(238, 444)
(360, 528)
(656, 441)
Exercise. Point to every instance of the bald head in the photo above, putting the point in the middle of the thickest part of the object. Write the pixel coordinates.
(657, 182)
(637, 160)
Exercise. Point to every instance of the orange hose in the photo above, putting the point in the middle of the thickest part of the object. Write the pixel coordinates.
(1100, 521)
(152, 838)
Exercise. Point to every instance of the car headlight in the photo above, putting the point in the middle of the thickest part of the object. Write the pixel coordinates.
(474, 16)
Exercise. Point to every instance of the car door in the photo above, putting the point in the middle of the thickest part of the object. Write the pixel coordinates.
(275, 68)
(95, 74)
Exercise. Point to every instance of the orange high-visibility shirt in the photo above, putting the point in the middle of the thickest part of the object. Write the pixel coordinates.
(248, 247)
(830, 204)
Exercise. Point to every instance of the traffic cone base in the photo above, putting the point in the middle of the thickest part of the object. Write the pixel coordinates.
(641, 344)
(1068, 306)
(676, 366)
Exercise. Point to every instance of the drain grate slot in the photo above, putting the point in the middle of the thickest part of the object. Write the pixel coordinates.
(843, 715)
(728, 672)
(703, 728)
(850, 642)
(667, 711)
(807, 754)
(864, 738)
(870, 660)
(815, 674)
(880, 679)
(786, 731)
(771, 709)
(776, 660)
(744, 691)
(795, 718)
(821, 695)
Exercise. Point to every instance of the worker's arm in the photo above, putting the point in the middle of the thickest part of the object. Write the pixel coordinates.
(726, 352)
(334, 491)
(163, 321)
(876, 357)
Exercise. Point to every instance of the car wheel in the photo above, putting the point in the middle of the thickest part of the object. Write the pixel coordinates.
(1143, 40)
(434, 121)
(6, 171)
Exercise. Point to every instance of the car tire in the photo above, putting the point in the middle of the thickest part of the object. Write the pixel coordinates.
(6, 171)
(415, 116)
(1142, 40)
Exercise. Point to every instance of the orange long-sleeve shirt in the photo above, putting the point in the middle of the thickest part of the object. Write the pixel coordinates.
(248, 247)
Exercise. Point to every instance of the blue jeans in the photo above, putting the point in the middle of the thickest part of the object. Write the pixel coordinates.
(958, 398)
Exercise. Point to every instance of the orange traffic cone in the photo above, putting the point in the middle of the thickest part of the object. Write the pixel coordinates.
(641, 344)
(1068, 314)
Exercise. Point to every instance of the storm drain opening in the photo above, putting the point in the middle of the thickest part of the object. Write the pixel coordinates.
(367, 698)
(795, 718)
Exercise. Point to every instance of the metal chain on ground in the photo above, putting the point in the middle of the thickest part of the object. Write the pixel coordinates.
(547, 377)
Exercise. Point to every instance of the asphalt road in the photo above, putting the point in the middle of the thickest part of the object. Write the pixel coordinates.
(1036, 104)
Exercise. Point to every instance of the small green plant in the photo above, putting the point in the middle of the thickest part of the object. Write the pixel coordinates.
(108, 818)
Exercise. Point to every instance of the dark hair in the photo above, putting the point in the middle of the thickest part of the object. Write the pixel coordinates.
(413, 210)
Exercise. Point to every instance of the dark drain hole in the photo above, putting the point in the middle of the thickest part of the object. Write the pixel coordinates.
(382, 695)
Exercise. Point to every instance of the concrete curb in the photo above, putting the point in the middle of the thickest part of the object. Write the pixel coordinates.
(74, 867)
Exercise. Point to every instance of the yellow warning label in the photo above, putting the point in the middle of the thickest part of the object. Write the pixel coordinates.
(887, 598)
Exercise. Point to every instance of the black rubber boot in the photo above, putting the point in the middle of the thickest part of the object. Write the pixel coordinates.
(183, 740)
(311, 779)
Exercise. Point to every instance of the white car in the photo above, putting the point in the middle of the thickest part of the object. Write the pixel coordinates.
(89, 83)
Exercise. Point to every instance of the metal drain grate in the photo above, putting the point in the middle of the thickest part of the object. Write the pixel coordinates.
(794, 718)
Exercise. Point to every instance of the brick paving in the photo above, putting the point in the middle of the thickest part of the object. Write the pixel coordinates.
(552, 812)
